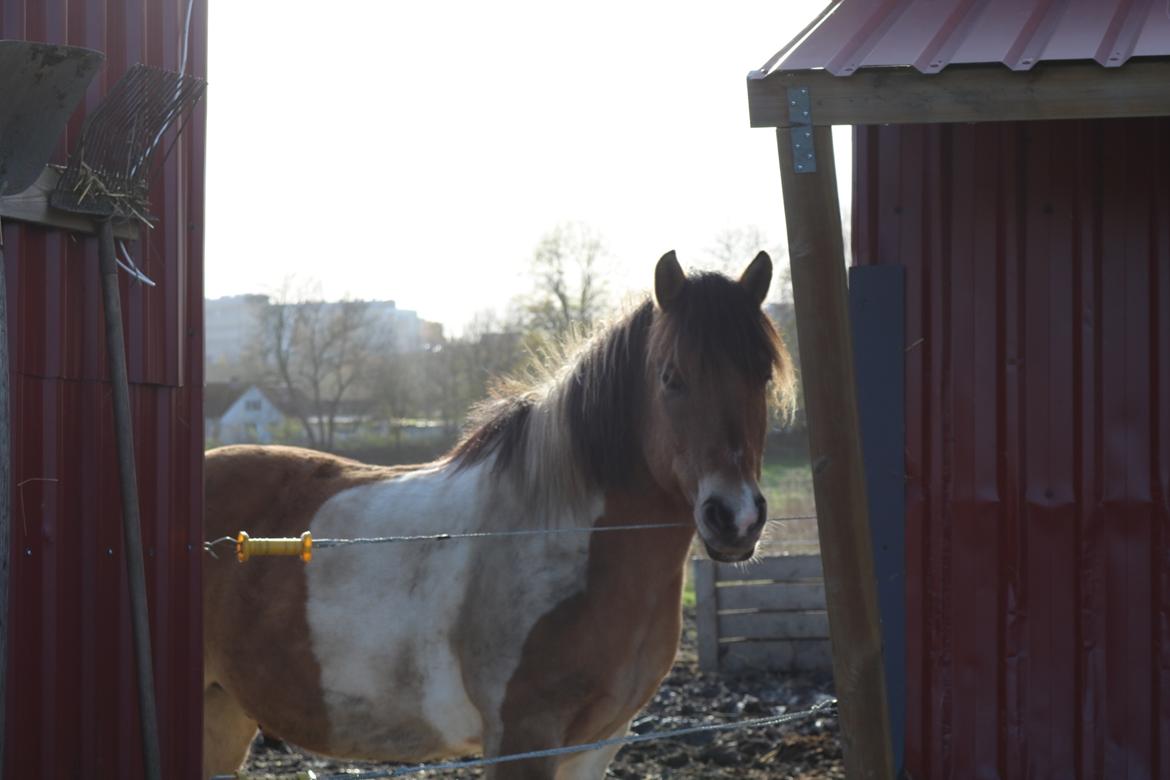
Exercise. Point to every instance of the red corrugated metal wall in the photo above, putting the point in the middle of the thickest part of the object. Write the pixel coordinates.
(1038, 440)
(72, 708)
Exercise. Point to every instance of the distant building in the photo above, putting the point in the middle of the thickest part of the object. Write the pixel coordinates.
(238, 413)
(232, 325)
(404, 329)
(431, 334)
(234, 322)
(248, 413)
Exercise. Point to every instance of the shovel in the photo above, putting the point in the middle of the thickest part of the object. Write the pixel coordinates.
(40, 85)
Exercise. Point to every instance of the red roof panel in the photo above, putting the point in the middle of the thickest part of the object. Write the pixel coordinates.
(931, 34)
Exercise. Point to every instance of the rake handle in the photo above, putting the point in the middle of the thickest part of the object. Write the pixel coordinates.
(128, 478)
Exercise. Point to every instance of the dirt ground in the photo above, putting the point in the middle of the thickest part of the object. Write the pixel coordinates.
(799, 751)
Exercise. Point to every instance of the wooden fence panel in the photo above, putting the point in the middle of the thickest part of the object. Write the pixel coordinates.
(781, 568)
(779, 596)
(767, 615)
(777, 656)
(772, 625)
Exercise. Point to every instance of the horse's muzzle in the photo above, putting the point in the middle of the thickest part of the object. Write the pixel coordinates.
(726, 540)
(729, 557)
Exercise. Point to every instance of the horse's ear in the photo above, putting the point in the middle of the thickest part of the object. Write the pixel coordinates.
(758, 277)
(669, 280)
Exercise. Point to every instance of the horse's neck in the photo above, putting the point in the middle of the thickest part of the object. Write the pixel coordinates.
(545, 486)
(656, 553)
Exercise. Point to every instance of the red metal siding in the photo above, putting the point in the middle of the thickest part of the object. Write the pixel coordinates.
(72, 708)
(1038, 439)
(931, 34)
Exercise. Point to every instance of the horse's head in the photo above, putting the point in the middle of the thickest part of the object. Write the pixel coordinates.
(714, 361)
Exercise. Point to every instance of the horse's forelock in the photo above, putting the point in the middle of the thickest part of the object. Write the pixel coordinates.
(716, 321)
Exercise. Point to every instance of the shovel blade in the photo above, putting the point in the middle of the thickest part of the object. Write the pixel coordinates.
(40, 86)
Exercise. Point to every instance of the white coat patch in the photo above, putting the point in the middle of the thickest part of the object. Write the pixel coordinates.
(388, 621)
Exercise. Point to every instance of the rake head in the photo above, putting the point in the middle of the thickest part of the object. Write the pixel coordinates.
(109, 170)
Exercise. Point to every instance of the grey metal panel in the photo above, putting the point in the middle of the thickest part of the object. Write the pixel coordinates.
(876, 308)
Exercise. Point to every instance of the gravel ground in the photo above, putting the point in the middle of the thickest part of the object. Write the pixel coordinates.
(803, 750)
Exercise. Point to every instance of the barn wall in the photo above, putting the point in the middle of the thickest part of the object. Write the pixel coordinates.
(1037, 401)
(72, 709)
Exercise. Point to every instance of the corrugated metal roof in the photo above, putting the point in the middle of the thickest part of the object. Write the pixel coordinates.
(931, 34)
(71, 701)
(1037, 325)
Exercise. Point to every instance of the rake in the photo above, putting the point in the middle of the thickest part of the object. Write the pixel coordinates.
(107, 179)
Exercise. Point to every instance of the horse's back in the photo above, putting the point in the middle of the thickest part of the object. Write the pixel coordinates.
(273, 490)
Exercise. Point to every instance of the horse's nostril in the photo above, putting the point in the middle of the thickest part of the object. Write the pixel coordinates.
(761, 509)
(718, 517)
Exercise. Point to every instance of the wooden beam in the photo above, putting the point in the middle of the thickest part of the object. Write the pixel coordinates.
(706, 611)
(32, 205)
(967, 93)
(826, 350)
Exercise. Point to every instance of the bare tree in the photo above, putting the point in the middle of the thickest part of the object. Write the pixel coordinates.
(734, 248)
(493, 347)
(317, 350)
(568, 288)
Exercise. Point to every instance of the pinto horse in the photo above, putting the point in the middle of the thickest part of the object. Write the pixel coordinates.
(429, 649)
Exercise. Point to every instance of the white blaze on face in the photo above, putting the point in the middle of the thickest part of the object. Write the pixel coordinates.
(738, 496)
(746, 512)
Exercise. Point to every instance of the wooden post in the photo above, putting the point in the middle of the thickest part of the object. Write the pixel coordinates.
(706, 615)
(826, 350)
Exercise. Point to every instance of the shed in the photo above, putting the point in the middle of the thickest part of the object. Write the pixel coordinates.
(72, 710)
(1011, 313)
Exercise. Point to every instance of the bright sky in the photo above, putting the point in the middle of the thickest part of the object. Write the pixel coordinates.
(418, 152)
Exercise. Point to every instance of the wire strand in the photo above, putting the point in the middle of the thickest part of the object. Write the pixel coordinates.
(826, 709)
(209, 546)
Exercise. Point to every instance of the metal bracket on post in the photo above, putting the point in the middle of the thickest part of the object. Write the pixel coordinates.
(804, 154)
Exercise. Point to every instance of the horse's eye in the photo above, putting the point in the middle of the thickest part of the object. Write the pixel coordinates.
(671, 381)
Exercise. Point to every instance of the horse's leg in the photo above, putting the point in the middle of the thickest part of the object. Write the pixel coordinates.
(591, 765)
(535, 734)
(227, 732)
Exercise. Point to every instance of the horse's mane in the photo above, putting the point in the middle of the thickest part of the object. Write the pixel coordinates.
(572, 423)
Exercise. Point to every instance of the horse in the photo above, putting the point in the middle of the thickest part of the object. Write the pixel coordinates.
(502, 644)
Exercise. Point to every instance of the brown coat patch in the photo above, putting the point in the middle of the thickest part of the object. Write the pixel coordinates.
(594, 660)
(256, 634)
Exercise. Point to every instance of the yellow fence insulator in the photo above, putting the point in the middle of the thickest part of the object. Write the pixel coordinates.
(300, 547)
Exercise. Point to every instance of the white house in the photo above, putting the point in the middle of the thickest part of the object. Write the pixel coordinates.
(236, 413)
